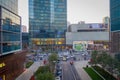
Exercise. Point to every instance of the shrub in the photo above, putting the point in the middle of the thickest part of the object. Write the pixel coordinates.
(43, 73)
(92, 74)
(105, 74)
(42, 69)
(28, 64)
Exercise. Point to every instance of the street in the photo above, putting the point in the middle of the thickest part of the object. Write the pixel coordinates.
(69, 71)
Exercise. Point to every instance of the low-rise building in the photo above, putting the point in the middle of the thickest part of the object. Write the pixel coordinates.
(96, 32)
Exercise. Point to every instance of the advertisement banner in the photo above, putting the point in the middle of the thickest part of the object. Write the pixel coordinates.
(80, 45)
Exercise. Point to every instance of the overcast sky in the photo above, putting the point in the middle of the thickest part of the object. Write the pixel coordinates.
(90, 11)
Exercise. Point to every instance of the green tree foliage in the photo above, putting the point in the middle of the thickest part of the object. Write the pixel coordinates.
(45, 76)
(53, 57)
(52, 60)
(28, 64)
(105, 60)
(43, 73)
(105, 74)
(42, 69)
(94, 57)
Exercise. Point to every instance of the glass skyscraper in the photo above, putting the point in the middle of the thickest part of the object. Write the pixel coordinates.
(115, 15)
(12, 65)
(115, 25)
(10, 27)
(47, 22)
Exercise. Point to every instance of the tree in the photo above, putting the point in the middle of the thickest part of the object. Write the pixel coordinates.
(45, 76)
(94, 57)
(53, 57)
(52, 60)
(105, 59)
(43, 73)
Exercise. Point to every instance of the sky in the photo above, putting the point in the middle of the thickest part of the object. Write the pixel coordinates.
(90, 11)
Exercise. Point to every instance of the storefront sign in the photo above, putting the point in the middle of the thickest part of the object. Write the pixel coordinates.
(2, 65)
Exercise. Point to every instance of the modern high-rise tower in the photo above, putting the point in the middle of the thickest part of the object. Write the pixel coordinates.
(11, 56)
(11, 5)
(115, 25)
(115, 15)
(47, 23)
(10, 27)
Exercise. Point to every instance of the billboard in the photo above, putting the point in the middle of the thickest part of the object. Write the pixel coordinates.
(98, 25)
(80, 45)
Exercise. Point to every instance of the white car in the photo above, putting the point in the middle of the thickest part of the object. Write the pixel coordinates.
(72, 56)
(84, 53)
(57, 78)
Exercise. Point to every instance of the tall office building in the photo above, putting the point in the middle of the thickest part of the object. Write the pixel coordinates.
(47, 23)
(115, 15)
(115, 25)
(11, 5)
(10, 27)
(10, 40)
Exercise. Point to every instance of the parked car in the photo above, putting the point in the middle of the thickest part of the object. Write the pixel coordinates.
(59, 73)
(57, 78)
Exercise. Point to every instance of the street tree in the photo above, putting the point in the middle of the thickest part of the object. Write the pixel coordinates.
(94, 57)
(52, 61)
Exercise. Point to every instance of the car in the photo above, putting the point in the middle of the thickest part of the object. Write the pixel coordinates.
(67, 57)
(64, 59)
(59, 68)
(57, 78)
(71, 62)
(72, 56)
(44, 54)
(85, 53)
(41, 57)
(58, 73)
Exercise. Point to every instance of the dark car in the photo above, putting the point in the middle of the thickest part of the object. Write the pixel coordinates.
(71, 62)
(59, 73)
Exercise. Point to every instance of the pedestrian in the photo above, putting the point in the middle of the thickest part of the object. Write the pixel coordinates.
(86, 66)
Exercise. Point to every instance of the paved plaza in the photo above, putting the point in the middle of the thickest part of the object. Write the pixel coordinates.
(79, 67)
(26, 75)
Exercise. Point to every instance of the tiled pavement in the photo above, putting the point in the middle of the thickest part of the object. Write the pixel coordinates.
(79, 67)
(26, 75)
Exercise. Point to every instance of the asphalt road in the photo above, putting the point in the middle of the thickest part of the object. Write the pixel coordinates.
(69, 71)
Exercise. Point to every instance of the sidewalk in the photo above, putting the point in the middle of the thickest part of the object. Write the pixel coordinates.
(26, 75)
(79, 67)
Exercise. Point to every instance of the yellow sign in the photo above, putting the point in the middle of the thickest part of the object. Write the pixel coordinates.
(2, 65)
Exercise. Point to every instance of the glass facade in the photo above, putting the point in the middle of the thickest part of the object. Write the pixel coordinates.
(25, 40)
(10, 31)
(12, 5)
(47, 21)
(115, 15)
